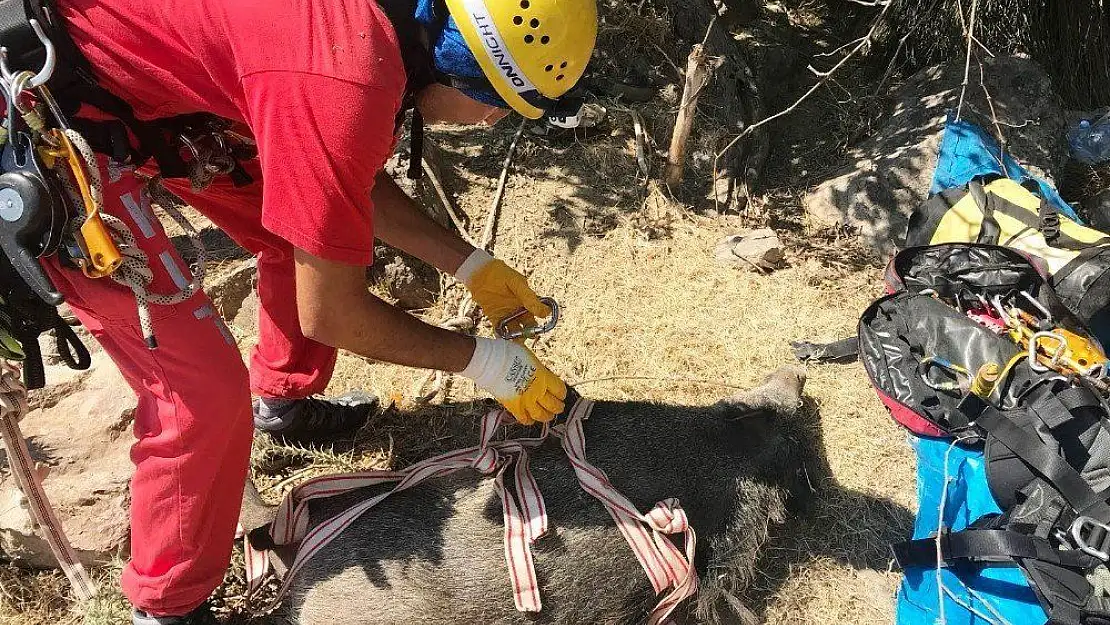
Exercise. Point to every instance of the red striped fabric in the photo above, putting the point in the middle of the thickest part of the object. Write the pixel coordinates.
(669, 568)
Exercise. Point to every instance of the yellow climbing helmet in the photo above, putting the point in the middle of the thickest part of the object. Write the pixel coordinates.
(532, 51)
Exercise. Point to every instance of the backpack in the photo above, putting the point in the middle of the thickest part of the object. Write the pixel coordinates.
(945, 352)
(1000, 211)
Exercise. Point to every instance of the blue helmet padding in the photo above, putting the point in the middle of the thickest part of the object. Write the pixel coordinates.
(450, 52)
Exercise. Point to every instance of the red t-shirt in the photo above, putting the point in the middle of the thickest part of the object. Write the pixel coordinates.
(319, 82)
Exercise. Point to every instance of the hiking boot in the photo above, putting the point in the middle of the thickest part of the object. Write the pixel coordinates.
(314, 420)
(200, 616)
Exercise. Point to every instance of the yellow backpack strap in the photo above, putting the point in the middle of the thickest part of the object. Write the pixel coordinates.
(989, 231)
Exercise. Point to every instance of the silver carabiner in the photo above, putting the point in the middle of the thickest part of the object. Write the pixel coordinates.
(502, 330)
(1081, 542)
(1054, 357)
(48, 64)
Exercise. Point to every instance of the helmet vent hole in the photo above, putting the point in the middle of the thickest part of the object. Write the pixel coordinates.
(518, 20)
(534, 23)
(524, 4)
(545, 39)
(529, 38)
(563, 65)
(559, 77)
(549, 68)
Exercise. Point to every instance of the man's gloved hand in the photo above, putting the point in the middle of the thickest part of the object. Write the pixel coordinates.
(500, 290)
(513, 374)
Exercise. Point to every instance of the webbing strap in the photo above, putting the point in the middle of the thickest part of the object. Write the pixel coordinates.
(13, 406)
(1058, 408)
(1077, 262)
(842, 351)
(1044, 461)
(523, 508)
(1055, 238)
(975, 545)
(989, 231)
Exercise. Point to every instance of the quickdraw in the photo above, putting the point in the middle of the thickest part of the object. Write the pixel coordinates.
(668, 566)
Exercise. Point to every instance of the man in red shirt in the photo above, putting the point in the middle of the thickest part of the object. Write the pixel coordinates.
(320, 86)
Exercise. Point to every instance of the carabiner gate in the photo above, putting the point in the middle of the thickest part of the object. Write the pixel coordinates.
(502, 330)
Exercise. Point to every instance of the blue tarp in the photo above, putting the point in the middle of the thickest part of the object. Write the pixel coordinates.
(966, 151)
(968, 499)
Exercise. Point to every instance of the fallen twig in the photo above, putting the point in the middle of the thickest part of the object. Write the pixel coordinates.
(448, 205)
(495, 205)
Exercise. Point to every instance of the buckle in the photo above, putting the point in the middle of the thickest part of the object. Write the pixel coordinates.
(1098, 533)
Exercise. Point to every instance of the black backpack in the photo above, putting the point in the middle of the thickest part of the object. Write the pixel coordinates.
(946, 359)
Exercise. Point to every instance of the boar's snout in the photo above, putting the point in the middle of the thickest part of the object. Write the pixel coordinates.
(779, 395)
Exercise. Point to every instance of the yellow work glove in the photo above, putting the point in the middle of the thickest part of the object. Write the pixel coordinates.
(500, 290)
(513, 375)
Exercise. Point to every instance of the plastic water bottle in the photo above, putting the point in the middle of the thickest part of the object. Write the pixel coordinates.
(1090, 143)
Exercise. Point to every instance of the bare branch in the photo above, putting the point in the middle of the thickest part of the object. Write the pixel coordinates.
(860, 44)
(967, 60)
(708, 30)
(841, 48)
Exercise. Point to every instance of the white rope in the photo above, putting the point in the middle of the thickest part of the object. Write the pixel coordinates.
(135, 272)
(941, 620)
(942, 589)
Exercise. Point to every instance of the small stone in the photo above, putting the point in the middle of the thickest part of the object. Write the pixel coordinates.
(756, 249)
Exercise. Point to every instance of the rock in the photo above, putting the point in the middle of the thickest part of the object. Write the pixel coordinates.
(80, 431)
(410, 282)
(231, 288)
(758, 249)
(889, 174)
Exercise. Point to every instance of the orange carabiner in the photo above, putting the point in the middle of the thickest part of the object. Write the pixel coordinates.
(102, 256)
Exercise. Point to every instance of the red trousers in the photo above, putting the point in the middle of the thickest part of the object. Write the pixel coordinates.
(193, 422)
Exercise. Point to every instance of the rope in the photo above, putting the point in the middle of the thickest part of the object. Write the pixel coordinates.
(13, 407)
(135, 272)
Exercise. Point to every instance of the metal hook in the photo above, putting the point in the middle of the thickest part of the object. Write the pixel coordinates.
(47, 70)
(502, 330)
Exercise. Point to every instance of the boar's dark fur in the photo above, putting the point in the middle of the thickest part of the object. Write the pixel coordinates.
(434, 555)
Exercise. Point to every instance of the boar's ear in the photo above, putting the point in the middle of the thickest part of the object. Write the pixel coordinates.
(254, 511)
(779, 395)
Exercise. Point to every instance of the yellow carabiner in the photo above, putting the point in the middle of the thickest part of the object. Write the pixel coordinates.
(102, 257)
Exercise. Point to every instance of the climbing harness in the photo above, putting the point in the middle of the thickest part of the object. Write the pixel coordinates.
(51, 194)
(13, 406)
(669, 567)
